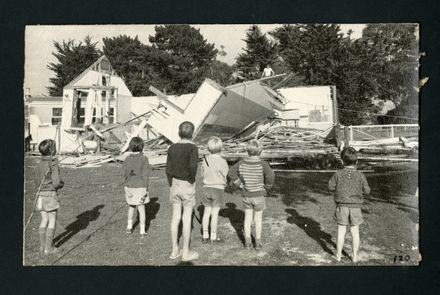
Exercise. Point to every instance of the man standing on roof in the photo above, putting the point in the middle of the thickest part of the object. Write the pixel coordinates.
(267, 72)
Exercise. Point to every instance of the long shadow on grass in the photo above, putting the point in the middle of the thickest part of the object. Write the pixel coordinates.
(298, 188)
(151, 209)
(82, 222)
(312, 229)
(236, 218)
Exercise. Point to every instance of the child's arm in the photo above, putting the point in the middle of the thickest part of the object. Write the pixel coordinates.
(146, 171)
(56, 181)
(224, 169)
(234, 175)
(365, 187)
(269, 175)
(193, 160)
(168, 168)
(332, 182)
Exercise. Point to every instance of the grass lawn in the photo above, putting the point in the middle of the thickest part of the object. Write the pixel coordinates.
(298, 225)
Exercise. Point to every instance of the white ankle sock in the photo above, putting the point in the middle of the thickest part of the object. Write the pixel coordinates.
(205, 234)
(213, 236)
(142, 228)
(129, 223)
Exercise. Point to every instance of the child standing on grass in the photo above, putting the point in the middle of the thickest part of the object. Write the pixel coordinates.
(47, 173)
(349, 186)
(181, 170)
(254, 177)
(215, 170)
(136, 169)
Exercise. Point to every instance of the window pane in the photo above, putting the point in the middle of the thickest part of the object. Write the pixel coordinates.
(111, 112)
(56, 121)
(82, 111)
(57, 112)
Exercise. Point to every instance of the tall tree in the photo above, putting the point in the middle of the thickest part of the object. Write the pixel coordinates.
(73, 58)
(396, 57)
(259, 53)
(323, 56)
(130, 59)
(181, 57)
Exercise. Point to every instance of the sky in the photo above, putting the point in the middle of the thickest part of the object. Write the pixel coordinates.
(39, 43)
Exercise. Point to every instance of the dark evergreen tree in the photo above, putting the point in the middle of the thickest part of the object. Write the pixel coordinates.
(180, 57)
(323, 56)
(130, 59)
(259, 53)
(73, 58)
(396, 51)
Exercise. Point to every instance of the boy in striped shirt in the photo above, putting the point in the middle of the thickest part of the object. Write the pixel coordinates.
(254, 176)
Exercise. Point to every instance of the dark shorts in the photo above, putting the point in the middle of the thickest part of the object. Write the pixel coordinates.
(212, 197)
(255, 203)
(348, 216)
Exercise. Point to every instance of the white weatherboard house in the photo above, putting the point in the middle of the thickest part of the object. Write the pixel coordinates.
(98, 93)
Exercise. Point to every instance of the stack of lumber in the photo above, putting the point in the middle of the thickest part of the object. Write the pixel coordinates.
(85, 161)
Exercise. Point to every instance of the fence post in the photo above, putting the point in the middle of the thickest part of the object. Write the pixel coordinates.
(392, 131)
(351, 133)
(346, 136)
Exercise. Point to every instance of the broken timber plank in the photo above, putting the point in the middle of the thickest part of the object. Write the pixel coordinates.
(134, 134)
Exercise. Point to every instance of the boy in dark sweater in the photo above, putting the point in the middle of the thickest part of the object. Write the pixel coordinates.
(349, 186)
(253, 176)
(181, 172)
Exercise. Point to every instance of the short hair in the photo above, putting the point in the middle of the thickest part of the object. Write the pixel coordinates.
(186, 130)
(214, 144)
(349, 156)
(136, 144)
(253, 148)
(47, 147)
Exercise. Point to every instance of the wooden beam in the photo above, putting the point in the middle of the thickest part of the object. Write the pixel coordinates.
(163, 96)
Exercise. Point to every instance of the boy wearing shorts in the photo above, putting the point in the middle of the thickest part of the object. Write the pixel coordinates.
(214, 170)
(254, 177)
(349, 186)
(181, 170)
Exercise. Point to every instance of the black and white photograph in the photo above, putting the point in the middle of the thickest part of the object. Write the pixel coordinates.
(222, 145)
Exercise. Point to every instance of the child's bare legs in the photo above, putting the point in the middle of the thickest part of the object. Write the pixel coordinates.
(141, 211)
(356, 241)
(205, 222)
(186, 230)
(42, 230)
(175, 220)
(130, 218)
(214, 222)
(247, 225)
(258, 219)
(50, 232)
(340, 241)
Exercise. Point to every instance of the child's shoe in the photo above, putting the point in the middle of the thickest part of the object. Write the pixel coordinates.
(248, 243)
(143, 235)
(258, 245)
(129, 230)
(192, 255)
(205, 240)
(177, 255)
(217, 240)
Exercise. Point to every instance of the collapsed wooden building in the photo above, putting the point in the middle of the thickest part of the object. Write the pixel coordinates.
(297, 126)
